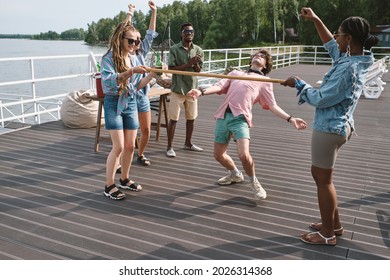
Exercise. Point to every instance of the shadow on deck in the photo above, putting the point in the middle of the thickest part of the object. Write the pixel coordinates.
(52, 206)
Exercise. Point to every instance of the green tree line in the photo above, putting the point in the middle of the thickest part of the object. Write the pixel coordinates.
(71, 34)
(232, 23)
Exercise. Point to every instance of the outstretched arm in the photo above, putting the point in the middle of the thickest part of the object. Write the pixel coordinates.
(195, 93)
(298, 123)
(145, 80)
(323, 31)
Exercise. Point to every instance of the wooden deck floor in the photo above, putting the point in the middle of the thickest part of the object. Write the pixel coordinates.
(52, 206)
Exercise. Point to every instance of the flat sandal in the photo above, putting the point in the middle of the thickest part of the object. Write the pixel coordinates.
(331, 241)
(114, 195)
(127, 184)
(318, 227)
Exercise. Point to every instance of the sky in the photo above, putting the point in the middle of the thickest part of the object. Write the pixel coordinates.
(36, 16)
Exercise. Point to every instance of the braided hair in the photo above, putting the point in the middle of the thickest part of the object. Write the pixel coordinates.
(359, 29)
(115, 46)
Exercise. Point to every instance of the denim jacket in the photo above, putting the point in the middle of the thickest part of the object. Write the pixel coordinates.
(110, 86)
(146, 44)
(336, 99)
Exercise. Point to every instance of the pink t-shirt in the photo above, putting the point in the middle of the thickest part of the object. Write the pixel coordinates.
(241, 95)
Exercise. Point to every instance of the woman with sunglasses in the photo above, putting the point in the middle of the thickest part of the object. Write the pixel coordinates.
(143, 104)
(335, 101)
(120, 106)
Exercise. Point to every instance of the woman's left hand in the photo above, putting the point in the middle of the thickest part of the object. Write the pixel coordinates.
(290, 81)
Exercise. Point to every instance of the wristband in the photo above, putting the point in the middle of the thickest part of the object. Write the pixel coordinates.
(289, 119)
(202, 90)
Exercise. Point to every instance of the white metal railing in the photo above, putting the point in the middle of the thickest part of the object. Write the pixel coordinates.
(41, 100)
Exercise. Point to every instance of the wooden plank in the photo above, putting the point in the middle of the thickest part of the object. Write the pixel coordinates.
(52, 206)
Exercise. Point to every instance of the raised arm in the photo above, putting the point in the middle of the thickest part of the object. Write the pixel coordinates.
(153, 18)
(130, 13)
(323, 31)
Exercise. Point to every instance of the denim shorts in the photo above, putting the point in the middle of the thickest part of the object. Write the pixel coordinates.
(143, 103)
(128, 119)
(231, 126)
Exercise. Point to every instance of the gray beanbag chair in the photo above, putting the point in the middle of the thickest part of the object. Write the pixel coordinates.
(79, 111)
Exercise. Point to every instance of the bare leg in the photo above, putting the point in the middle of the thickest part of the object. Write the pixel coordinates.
(171, 132)
(144, 123)
(220, 155)
(245, 157)
(128, 151)
(327, 200)
(189, 131)
(117, 138)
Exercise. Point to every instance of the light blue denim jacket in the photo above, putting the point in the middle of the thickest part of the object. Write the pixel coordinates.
(110, 87)
(336, 99)
(109, 74)
(109, 77)
(146, 44)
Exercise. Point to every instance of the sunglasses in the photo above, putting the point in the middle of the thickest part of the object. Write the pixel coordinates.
(132, 41)
(335, 34)
(187, 31)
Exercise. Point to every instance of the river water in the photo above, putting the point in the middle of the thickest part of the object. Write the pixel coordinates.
(25, 48)
(21, 70)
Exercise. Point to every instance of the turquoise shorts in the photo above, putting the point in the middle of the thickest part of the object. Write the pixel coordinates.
(231, 127)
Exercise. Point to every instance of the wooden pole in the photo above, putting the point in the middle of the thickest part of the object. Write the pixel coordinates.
(220, 76)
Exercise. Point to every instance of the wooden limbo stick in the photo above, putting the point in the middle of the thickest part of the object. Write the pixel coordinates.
(220, 76)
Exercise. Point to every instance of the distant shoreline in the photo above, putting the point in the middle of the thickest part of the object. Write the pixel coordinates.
(16, 36)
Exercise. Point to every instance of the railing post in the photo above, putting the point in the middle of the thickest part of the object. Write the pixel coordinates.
(239, 59)
(36, 118)
(226, 58)
(1, 113)
(209, 60)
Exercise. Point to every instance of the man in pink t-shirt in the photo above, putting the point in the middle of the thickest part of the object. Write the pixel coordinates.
(234, 118)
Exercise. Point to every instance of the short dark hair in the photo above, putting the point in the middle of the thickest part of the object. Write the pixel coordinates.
(185, 24)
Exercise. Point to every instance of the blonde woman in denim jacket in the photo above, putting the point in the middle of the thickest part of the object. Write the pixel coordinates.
(139, 57)
(335, 101)
(120, 106)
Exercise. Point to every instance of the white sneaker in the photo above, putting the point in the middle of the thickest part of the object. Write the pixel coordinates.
(193, 148)
(230, 179)
(258, 190)
(171, 153)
